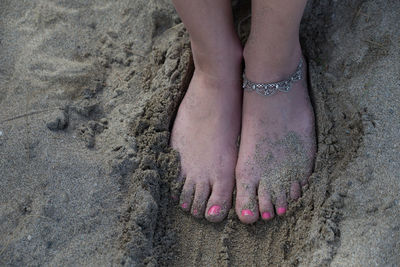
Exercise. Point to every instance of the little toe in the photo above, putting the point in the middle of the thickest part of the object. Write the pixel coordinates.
(246, 202)
(176, 188)
(220, 201)
(295, 191)
(281, 204)
(265, 203)
(187, 195)
(304, 182)
(201, 194)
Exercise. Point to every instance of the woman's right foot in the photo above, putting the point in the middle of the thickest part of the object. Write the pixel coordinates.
(205, 134)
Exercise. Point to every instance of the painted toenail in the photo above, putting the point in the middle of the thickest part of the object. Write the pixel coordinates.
(195, 212)
(184, 206)
(214, 210)
(281, 211)
(247, 213)
(266, 215)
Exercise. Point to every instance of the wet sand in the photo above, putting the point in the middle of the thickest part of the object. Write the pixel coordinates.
(88, 96)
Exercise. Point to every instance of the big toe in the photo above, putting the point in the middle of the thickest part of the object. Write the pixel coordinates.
(246, 202)
(220, 201)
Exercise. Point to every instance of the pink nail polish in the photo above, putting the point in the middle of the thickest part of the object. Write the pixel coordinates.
(195, 212)
(247, 213)
(184, 205)
(281, 211)
(214, 210)
(266, 215)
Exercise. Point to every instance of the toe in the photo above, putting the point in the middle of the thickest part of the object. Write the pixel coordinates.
(281, 204)
(176, 187)
(304, 183)
(187, 195)
(295, 191)
(265, 203)
(220, 201)
(246, 202)
(202, 191)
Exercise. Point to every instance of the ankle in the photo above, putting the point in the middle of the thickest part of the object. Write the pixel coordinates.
(271, 64)
(219, 61)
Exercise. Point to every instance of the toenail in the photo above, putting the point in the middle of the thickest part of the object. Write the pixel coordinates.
(214, 210)
(195, 212)
(281, 211)
(247, 213)
(184, 206)
(266, 215)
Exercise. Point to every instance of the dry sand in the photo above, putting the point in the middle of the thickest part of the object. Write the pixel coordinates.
(89, 90)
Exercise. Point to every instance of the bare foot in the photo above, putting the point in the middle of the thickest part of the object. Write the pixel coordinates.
(277, 146)
(205, 134)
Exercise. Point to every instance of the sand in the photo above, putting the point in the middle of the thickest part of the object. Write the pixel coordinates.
(89, 90)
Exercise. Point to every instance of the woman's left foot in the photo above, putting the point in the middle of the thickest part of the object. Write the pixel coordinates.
(277, 147)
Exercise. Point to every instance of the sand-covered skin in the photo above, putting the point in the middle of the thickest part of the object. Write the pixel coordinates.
(88, 94)
(290, 163)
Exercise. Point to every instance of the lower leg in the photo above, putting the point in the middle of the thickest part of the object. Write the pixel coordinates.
(277, 140)
(273, 50)
(212, 35)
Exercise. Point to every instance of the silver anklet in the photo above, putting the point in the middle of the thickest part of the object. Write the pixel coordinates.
(268, 89)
